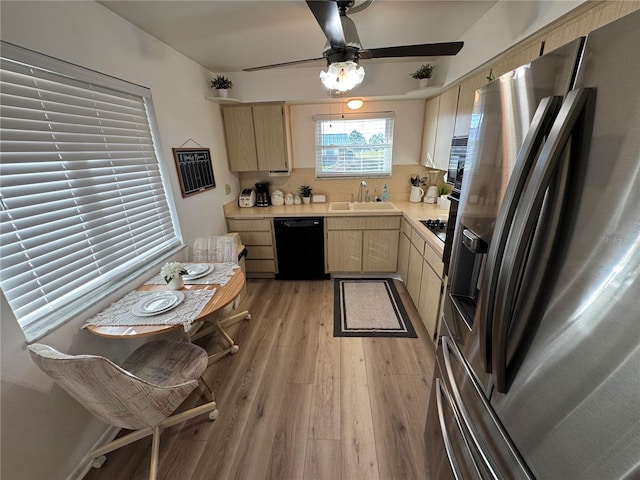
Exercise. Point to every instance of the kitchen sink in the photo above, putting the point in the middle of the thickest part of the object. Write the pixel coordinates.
(339, 206)
(362, 207)
(374, 206)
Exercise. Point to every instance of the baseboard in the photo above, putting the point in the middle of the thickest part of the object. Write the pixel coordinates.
(84, 466)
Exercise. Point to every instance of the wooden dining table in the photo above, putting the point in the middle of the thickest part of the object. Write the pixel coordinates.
(225, 294)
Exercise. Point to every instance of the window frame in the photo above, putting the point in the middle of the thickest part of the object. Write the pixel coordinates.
(342, 150)
(68, 306)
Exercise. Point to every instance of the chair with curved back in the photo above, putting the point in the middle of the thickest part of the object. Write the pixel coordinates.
(141, 395)
(222, 248)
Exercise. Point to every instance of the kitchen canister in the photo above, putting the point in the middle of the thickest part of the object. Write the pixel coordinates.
(288, 199)
(297, 200)
(277, 198)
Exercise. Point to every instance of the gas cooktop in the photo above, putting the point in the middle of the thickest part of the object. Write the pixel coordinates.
(436, 226)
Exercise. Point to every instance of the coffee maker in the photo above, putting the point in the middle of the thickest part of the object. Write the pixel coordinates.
(262, 195)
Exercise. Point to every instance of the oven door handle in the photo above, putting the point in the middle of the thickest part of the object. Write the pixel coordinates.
(540, 125)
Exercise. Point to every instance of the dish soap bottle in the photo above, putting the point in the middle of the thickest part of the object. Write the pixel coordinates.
(385, 193)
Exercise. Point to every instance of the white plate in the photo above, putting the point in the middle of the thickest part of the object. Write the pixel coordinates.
(157, 303)
(198, 270)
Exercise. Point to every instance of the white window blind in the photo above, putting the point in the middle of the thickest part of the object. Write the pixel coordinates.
(354, 145)
(82, 201)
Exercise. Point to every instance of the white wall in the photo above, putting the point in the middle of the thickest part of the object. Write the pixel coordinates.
(45, 433)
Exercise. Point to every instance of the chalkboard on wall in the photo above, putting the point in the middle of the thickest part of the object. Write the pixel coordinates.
(195, 170)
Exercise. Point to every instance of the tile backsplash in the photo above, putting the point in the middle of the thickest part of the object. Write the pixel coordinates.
(340, 190)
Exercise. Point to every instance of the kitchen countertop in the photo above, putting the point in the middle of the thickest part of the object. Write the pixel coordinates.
(412, 212)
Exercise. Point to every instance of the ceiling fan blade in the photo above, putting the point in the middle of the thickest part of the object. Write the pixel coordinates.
(424, 50)
(284, 64)
(328, 17)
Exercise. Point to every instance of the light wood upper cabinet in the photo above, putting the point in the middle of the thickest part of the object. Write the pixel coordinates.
(465, 101)
(429, 132)
(595, 15)
(269, 122)
(257, 137)
(240, 137)
(446, 125)
(439, 123)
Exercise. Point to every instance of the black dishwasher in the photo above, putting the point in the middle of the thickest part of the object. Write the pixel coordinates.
(300, 248)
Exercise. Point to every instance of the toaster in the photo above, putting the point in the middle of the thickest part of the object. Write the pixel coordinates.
(247, 198)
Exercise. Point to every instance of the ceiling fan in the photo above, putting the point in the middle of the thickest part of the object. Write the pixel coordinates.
(343, 49)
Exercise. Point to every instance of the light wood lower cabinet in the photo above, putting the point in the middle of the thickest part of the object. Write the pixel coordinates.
(403, 255)
(422, 272)
(362, 244)
(257, 236)
(430, 299)
(344, 251)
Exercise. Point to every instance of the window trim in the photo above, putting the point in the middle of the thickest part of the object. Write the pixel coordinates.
(318, 148)
(73, 308)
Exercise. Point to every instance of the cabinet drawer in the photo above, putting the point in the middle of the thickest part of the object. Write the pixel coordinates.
(259, 252)
(434, 259)
(256, 238)
(260, 224)
(260, 266)
(417, 241)
(363, 223)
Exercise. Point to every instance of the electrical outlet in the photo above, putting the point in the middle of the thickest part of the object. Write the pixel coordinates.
(227, 189)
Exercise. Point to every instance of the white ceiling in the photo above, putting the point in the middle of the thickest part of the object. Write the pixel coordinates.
(228, 36)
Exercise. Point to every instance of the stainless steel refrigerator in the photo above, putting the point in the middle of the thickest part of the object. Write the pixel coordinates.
(538, 364)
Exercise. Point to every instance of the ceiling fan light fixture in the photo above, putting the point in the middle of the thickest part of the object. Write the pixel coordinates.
(342, 76)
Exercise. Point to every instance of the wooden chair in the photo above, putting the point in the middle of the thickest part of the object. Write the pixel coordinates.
(223, 248)
(141, 395)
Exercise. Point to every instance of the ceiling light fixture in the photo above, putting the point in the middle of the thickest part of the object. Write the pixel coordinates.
(342, 76)
(355, 104)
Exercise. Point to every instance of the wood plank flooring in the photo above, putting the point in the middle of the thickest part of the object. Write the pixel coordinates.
(297, 403)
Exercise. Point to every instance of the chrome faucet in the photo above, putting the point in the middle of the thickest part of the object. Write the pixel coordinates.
(362, 184)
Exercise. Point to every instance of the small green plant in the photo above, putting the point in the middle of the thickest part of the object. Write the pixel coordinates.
(305, 190)
(425, 71)
(444, 189)
(221, 82)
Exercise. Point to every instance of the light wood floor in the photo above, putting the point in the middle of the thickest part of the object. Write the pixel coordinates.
(297, 403)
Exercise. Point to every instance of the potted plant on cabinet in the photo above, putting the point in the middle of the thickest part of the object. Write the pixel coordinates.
(423, 74)
(305, 193)
(221, 85)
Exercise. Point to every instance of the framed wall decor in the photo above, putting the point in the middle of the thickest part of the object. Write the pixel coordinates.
(195, 170)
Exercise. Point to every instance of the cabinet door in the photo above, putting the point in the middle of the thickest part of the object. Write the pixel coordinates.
(403, 257)
(240, 137)
(414, 274)
(344, 251)
(429, 131)
(465, 101)
(380, 250)
(429, 303)
(446, 125)
(270, 137)
(599, 14)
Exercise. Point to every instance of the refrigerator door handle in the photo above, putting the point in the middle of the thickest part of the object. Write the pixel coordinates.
(524, 223)
(449, 348)
(441, 395)
(539, 128)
